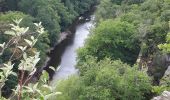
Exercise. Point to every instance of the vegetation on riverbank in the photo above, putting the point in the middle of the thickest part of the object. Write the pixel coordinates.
(129, 31)
(106, 80)
(124, 57)
(55, 15)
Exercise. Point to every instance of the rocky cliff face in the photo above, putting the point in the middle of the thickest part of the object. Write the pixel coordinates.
(165, 81)
(166, 78)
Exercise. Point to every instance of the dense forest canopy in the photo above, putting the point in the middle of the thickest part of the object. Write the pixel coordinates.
(56, 16)
(130, 31)
(125, 57)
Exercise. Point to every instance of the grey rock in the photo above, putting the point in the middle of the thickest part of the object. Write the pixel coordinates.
(164, 96)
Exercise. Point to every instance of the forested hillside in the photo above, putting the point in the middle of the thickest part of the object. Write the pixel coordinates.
(125, 57)
(56, 16)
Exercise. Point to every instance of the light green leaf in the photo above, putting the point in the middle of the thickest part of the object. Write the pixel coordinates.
(22, 48)
(29, 42)
(38, 91)
(34, 41)
(44, 77)
(36, 24)
(12, 33)
(25, 56)
(13, 73)
(48, 87)
(32, 38)
(17, 21)
(39, 23)
(58, 68)
(51, 67)
(2, 45)
(29, 89)
(35, 87)
(52, 95)
(7, 69)
(34, 70)
(25, 30)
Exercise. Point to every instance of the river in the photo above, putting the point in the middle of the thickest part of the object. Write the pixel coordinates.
(68, 58)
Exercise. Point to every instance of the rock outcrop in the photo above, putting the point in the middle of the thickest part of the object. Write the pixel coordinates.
(166, 78)
(164, 96)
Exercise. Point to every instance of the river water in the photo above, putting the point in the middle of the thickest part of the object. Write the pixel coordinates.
(68, 59)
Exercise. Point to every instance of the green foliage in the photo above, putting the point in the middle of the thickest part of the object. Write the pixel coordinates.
(107, 10)
(159, 89)
(166, 46)
(113, 39)
(27, 64)
(9, 4)
(73, 86)
(123, 28)
(44, 13)
(55, 15)
(7, 18)
(118, 2)
(150, 18)
(79, 6)
(164, 82)
(39, 91)
(105, 80)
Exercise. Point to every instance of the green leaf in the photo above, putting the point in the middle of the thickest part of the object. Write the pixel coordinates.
(44, 77)
(39, 92)
(7, 69)
(35, 87)
(47, 87)
(29, 89)
(47, 97)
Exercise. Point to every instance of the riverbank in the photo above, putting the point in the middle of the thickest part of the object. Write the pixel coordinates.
(67, 67)
(54, 54)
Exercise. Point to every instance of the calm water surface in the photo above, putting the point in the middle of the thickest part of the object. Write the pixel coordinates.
(68, 59)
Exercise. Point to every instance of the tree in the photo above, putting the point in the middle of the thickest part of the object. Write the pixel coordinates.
(105, 80)
(43, 11)
(55, 15)
(107, 10)
(113, 39)
(164, 81)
